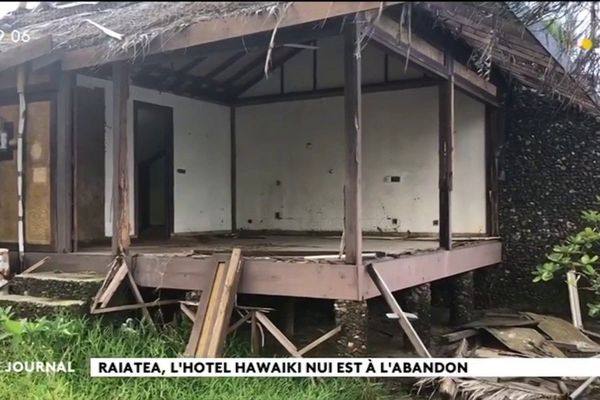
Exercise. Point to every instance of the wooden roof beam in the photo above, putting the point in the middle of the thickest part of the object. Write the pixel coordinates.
(226, 28)
(25, 52)
(428, 57)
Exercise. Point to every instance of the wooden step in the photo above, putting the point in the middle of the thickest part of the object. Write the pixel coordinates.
(35, 307)
(57, 285)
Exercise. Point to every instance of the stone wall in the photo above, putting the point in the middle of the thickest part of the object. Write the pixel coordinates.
(549, 173)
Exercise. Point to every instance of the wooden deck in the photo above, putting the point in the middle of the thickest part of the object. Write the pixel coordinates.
(299, 266)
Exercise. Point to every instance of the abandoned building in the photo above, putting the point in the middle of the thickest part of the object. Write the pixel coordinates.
(347, 148)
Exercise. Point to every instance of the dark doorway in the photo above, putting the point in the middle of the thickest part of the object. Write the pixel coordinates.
(88, 174)
(153, 132)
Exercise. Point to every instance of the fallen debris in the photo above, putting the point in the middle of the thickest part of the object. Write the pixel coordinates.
(526, 335)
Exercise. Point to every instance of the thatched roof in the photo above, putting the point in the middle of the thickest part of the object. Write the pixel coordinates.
(528, 53)
(137, 22)
(494, 34)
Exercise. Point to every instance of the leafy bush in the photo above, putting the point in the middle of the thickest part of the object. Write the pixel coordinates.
(578, 253)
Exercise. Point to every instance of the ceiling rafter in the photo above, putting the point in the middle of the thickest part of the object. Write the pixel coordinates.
(278, 61)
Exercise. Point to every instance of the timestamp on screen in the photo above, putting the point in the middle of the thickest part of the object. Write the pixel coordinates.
(14, 36)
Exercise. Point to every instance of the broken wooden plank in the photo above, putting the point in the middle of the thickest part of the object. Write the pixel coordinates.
(239, 323)
(190, 349)
(393, 304)
(187, 312)
(579, 391)
(225, 305)
(320, 340)
(128, 307)
(114, 284)
(459, 335)
(36, 265)
(137, 295)
(211, 309)
(277, 334)
(500, 322)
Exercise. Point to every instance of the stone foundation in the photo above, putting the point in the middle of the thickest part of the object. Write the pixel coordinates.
(461, 299)
(353, 317)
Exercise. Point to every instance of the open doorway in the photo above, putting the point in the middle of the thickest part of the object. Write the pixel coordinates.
(153, 141)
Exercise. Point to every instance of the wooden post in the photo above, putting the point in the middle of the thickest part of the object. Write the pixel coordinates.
(352, 111)
(233, 166)
(64, 164)
(120, 195)
(491, 134)
(446, 156)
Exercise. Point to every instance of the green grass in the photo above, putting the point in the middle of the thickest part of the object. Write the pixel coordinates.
(76, 340)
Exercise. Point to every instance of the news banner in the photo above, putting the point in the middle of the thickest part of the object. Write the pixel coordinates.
(344, 367)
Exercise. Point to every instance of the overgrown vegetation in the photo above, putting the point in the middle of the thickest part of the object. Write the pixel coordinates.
(579, 253)
(76, 340)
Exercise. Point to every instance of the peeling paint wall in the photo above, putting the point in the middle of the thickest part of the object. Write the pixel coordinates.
(201, 146)
(290, 164)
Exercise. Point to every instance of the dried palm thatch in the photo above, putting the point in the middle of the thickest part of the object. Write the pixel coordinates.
(527, 40)
(475, 389)
(137, 23)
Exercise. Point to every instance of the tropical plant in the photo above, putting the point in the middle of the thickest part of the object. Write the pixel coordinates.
(579, 253)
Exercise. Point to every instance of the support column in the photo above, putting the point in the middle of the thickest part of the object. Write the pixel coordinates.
(418, 300)
(352, 120)
(446, 156)
(64, 163)
(353, 317)
(461, 298)
(120, 194)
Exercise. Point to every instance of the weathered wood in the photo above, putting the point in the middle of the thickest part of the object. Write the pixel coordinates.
(211, 312)
(446, 155)
(188, 313)
(412, 270)
(320, 340)
(63, 195)
(395, 307)
(120, 189)
(129, 307)
(225, 305)
(25, 52)
(254, 335)
(277, 334)
(239, 322)
(36, 265)
(112, 287)
(339, 91)
(190, 349)
(459, 335)
(138, 296)
(204, 32)
(352, 123)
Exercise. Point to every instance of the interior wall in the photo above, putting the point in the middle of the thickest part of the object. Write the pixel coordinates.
(290, 164)
(201, 158)
(290, 160)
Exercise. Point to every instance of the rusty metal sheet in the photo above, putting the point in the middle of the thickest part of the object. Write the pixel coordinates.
(526, 341)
